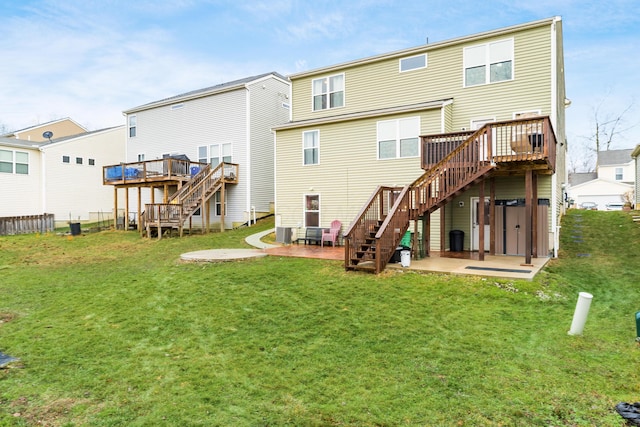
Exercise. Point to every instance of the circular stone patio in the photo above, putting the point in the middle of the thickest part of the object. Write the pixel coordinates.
(220, 255)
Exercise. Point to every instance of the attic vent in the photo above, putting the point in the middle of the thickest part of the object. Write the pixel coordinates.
(177, 106)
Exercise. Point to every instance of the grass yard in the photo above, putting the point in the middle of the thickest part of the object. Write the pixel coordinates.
(112, 330)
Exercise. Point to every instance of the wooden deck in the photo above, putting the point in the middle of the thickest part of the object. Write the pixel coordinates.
(453, 163)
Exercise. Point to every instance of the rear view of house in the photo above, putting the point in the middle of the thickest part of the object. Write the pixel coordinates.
(464, 136)
(221, 132)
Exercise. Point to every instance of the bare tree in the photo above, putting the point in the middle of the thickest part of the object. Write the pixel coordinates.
(608, 126)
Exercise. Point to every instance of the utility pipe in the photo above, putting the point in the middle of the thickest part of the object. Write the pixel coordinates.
(580, 315)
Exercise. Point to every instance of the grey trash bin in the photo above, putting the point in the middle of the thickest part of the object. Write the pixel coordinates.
(456, 240)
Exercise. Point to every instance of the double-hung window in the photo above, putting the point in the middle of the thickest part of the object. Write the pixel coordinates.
(14, 162)
(619, 174)
(399, 138)
(133, 125)
(328, 92)
(215, 154)
(311, 147)
(488, 63)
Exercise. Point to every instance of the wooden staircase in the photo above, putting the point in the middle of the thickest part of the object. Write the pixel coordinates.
(193, 195)
(453, 163)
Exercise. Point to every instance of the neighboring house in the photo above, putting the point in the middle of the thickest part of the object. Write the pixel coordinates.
(48, 131)
(384, 142)
(614, 177)
(62, 177)
(635, 154)
(169, 141)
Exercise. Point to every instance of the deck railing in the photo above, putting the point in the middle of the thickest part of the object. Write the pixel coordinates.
(150, 170)
(453, 163)
(191, 196)
(360, 247)
(522, 140)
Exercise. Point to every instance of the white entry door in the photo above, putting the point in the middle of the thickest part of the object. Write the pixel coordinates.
(475, 224)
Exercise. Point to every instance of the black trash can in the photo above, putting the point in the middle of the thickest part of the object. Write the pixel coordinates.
(456, 240)
(74, 228)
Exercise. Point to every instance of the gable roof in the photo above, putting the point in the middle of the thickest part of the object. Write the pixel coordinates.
(40, 125)
(20, 143)
(614, 157)
(581, 177)
(211, 90)
(425, 48)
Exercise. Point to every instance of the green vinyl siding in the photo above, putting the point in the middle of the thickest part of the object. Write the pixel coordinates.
(375, 85)
(348, 172)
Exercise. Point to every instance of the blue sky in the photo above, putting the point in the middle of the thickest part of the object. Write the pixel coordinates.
(92, 59)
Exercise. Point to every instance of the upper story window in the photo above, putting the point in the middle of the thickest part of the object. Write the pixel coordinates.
(215, 154)
(311, 147)
(488, 63)
(618, 174)
(219, 153)
(14, 162)
(65, 159)
(328, 92)
(78, 160)
(133, 122)
(92, 162)
(399, 138)
(413, 63)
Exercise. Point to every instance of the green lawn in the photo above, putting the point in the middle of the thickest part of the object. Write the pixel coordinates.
(114, 330)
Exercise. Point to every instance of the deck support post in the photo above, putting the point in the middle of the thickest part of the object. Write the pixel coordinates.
(481, 214)
(443, 228)
(222, 204)
(492, 216)
(115, 208)
(125, 222)
(528, 209)
(140, 228)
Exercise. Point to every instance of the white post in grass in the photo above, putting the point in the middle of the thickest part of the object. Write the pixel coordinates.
(580, 315)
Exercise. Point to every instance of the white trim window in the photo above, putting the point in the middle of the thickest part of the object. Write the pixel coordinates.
(488, 63)
(215, 154)
(328, 92)
(399, 138)
(311, 147)
(133, 126)
(413, 63)
(312, 210)
(218, 204)
(619, 174)
(476, 124)
(141, 157)
(14, 162)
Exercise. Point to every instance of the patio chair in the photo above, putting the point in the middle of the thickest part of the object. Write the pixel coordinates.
(331, 235)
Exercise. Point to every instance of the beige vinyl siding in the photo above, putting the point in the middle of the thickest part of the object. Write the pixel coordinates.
(371, 86)
(348, 171)
(507, 188)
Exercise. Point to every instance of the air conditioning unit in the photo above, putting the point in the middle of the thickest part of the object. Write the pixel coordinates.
(283, 234)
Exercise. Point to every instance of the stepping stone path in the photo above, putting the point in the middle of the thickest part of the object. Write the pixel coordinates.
(577, 236)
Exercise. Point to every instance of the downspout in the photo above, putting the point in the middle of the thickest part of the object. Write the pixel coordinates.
(247, 172)
(553, 118)
(43, 185)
